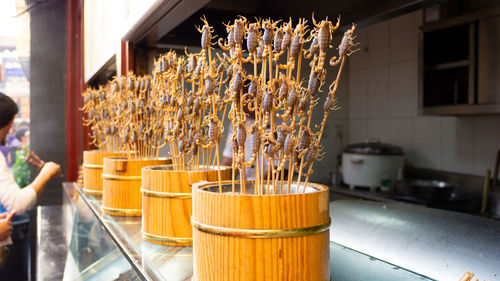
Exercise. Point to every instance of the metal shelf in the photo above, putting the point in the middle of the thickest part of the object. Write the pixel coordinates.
(448, 65)
(462, 109)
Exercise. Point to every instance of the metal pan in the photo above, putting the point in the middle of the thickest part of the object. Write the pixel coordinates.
(429, 190)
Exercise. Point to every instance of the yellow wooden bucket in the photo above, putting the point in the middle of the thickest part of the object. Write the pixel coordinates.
(121, 177)
(166, 202)
(243, 237)
(92, 170)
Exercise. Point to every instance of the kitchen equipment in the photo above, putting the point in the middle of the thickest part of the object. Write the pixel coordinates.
(495, 203)
(429, 190)
(495, 171)
(485, 191)
(367, 164)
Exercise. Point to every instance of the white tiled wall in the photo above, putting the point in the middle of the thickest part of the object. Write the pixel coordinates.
(382, 103)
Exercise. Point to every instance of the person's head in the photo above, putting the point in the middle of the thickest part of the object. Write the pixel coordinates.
(22, 134)
(8, 111)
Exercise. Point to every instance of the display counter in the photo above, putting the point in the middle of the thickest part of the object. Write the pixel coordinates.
(104, 247)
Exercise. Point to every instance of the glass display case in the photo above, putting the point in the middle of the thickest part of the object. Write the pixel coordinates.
(105, 247)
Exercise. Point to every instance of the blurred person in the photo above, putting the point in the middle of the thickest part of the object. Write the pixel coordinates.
(13, 198)
(23, 135)
(21, 169)
(5, 150)
(12, 142)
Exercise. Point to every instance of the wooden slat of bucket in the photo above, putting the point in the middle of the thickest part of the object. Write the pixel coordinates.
(234, 258)
(122, 185)
(92, 170)
(167, 203)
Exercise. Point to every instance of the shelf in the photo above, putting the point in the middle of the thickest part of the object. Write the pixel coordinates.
(157, 262)
(448, 65)
(466, 109)
(458, 65)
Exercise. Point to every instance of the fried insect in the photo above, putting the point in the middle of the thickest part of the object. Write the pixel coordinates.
(345, 47)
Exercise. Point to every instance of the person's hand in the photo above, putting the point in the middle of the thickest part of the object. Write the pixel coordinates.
(52, 169)
(5, 225)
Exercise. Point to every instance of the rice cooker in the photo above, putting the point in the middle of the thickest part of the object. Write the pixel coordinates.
(367, 164)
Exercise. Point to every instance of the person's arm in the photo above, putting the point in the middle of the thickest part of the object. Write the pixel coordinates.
(14, 198)
(5, 225)
(49, 170)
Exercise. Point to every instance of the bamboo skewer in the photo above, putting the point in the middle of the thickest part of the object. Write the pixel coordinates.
(150, 111)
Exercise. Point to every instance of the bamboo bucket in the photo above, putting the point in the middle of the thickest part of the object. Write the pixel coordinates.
(92, 170)
(166, 202)
(121, 179)
(260, 237)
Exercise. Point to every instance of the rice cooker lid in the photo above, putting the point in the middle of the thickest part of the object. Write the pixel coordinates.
(373, 147)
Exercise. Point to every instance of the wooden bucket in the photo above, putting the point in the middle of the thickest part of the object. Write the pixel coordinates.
(260, 237)
(166, 202)
(121, 179)
(92, 170)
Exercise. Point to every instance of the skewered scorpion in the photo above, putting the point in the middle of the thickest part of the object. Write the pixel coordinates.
(215, 130)
(345, 47)
(324, 36)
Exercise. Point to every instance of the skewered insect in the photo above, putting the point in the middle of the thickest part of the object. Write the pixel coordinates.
(345, 47)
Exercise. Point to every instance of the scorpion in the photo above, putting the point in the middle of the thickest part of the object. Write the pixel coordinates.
(287, 36)
(295, 44)
(345, 47)
(289, 145)
(253, 38)
(255, 131)
(206, 34)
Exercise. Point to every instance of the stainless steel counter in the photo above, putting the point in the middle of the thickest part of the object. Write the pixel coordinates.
(106, 247)
(442, 245)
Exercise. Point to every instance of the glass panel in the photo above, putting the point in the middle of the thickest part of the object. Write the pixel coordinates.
(157, 262)
(92, 254)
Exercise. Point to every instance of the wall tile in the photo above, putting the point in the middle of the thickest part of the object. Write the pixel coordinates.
(358, 94)
(341, 95)
(426, 130)
(358, 131)
(486, 143)
(425, 156)
(418, 19)
(379, 129)
(378, 92)
(378, 44)
(402, 39)
(417, 23)
(401, 132)
(457, 142)
(359, 60)
(382, 102)
(402, 89)
(426, 142)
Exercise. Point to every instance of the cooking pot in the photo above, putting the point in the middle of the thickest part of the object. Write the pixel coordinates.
(429, 190)
(367, 164)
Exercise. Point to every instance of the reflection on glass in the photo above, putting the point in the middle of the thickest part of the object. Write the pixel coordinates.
(92, 254)
(105, 247)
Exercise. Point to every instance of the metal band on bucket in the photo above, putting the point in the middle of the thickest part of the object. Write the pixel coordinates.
(137, 212)
(92, 166)
(123, 178)
(261, 233)
(166, 239)
(92, 192)
(159, 194)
